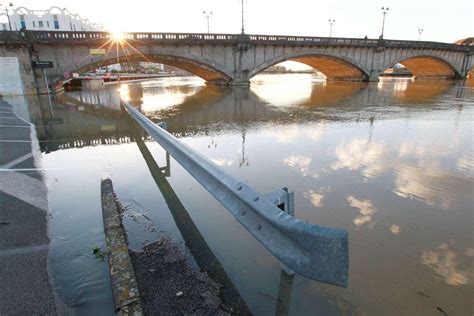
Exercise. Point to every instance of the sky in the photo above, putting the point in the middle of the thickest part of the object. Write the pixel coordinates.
(441, 21)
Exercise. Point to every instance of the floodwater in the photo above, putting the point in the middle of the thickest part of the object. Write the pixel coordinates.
(391, 162)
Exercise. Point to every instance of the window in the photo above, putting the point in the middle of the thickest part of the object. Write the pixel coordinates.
(55, 22)
(22, 21)
(40, 24)
(34, 24)
(47, 23)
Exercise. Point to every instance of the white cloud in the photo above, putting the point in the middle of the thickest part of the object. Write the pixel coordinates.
(445, 263)
(222, 162)
(315, 198)
(359, 154)
(301, 162)
(366, 210)
(429, 184)
(395, 229)
(284, 134)
(316, 132)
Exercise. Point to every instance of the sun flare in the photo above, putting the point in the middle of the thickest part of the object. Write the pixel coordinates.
(118, 36)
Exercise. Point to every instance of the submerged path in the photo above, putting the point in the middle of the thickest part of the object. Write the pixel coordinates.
(24, 242)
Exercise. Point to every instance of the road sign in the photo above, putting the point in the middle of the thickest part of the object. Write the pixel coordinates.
(97, 51)
(42, 64)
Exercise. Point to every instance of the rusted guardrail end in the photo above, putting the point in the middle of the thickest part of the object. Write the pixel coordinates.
(124, 284)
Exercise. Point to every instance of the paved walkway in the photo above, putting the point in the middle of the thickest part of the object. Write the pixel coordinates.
(25, 286)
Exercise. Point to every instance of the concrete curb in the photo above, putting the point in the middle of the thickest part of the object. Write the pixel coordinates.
(124, 284)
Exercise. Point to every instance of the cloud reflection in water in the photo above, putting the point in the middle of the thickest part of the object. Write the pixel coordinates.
(360, 154)
(222, 162)
(444, 261)
(427, 184)
(315, 198)
(366, 210)
(395, 229)
(300, 162)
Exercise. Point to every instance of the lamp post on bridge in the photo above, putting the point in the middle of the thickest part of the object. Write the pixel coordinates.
(331, 22)
(419, 33)
(384, 12)
(207, 15)
(242, 4)
(7, 14)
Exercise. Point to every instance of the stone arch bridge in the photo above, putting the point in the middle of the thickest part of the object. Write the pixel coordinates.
(229, 59)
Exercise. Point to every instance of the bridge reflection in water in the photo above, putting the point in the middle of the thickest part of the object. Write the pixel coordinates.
(389, 161)
(193, 108)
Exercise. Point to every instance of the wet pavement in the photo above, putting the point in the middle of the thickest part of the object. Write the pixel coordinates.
(24, 243)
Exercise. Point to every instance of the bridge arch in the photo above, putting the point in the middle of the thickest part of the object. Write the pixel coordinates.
(202, 69)
(426, 66)
(333, 67)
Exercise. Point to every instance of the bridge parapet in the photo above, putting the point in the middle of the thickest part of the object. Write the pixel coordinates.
(72, 37)
(186, 38)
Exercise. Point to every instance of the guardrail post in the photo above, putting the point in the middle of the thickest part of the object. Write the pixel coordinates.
(285, 200)
(287, 275)
(284, 294)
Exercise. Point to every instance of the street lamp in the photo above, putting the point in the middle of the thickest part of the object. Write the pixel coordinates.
(8, 15)
(242, 2)
(207, 15)
(331, 22)
(384, 12)
(419, 33)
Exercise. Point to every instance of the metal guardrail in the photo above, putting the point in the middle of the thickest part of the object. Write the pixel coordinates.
(316, 252)
(77, 37)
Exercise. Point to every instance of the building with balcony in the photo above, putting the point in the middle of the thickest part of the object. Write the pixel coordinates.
(53, 19)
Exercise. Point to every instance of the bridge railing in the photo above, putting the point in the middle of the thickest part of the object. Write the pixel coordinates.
(72, 36)
(69, 36)
(336, 41)
(312, 40)
(61, 36)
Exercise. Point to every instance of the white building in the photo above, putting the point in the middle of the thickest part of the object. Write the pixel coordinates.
(148, 65)
(53, 19)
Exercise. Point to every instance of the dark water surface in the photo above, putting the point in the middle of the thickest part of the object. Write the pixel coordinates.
(391, 162)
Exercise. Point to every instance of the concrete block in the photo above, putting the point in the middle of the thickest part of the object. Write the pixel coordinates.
(11, 82)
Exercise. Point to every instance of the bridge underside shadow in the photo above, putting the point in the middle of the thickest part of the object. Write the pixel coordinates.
(343, 69)
(333, 68)
(206, 72)
(428, 67)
